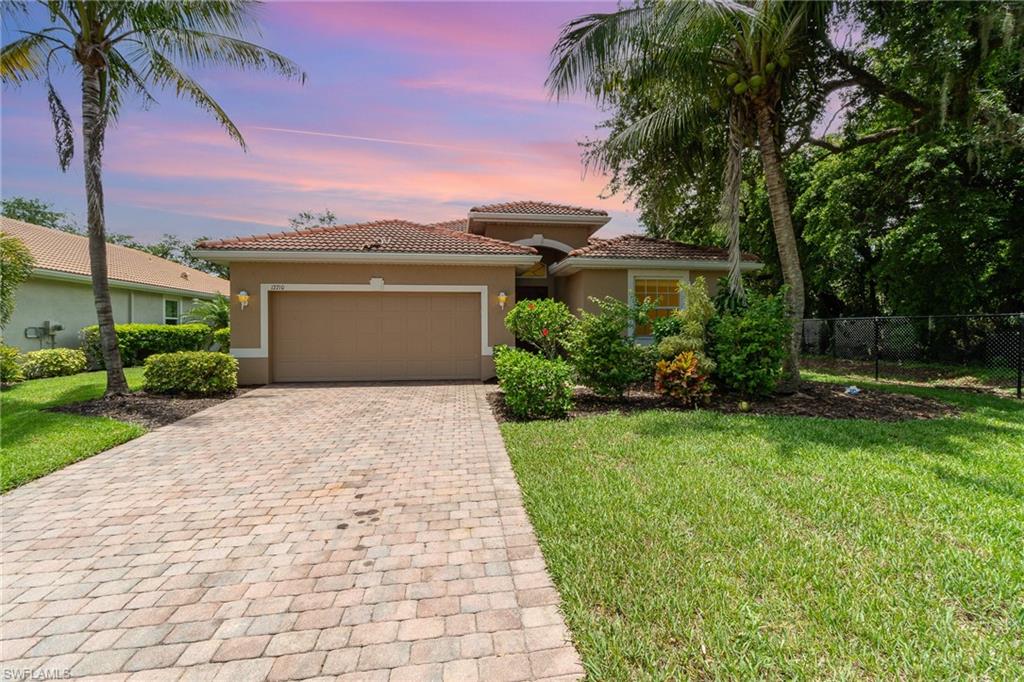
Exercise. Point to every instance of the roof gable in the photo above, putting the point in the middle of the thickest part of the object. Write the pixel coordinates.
(381, 236)
(59, 251)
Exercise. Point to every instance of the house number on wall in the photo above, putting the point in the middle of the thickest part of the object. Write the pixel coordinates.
(277, 287)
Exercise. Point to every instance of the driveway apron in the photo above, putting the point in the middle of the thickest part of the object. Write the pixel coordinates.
(364, 532)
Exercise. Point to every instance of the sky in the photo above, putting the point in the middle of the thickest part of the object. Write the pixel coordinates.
(410, 110)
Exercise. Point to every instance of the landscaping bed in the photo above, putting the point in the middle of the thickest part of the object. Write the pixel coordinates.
(145, 409)
(814, 399)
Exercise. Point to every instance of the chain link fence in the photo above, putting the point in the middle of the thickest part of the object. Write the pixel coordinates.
(983, 351)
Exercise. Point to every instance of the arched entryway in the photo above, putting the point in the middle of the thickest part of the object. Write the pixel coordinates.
(536, 282)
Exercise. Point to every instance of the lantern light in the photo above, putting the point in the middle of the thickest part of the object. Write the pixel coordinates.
(502, 299)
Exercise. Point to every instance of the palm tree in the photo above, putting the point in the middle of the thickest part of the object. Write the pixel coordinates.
(215, 313)
(720, 65)
(123, 49)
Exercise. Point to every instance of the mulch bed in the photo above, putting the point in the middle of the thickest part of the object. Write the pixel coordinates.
(145, 409)
(814, 399)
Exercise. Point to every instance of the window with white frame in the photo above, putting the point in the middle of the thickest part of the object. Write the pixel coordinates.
(663, 292)
(172, 311)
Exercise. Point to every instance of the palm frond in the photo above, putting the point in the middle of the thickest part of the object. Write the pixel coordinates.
(23, 59)
(165, 73)
(124, 78)
(591, 44)
(64, 131)
(192, 48)
(217, 16)
(678, 120)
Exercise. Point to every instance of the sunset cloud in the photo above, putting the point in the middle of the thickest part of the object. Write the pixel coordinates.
(415, 111)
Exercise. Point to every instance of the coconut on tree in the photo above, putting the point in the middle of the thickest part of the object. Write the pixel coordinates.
(121, 50)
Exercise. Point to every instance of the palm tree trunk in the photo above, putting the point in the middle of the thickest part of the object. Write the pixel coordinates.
(729, 211)
(785, 240)
(93, 129)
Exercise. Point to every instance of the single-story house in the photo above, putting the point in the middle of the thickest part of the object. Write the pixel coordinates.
(56, 301)
(398, 300)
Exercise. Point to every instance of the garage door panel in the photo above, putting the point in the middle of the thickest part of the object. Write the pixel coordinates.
(327, 336)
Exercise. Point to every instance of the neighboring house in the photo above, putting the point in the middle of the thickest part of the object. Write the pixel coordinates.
(143, 288)
(393, 299)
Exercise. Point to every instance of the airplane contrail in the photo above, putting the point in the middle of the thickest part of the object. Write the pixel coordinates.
(384, 140)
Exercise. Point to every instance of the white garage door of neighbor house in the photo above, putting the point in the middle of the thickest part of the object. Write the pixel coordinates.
(331, 336)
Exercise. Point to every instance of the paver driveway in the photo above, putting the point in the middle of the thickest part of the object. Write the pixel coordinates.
(357, 532)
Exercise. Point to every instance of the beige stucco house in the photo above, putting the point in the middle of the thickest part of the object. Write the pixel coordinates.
(143, 288)
(398, 300)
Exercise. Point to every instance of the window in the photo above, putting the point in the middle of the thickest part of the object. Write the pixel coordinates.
(664, 292)
(172, 311)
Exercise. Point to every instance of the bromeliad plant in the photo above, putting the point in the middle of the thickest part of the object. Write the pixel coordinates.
(544, 323)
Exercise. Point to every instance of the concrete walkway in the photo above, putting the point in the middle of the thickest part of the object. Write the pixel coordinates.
(338, 531)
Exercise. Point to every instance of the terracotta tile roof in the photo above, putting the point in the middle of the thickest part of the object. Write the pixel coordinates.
(458, 225)
(538, 208)
(382, 236)
(648, 248)
(64, 252)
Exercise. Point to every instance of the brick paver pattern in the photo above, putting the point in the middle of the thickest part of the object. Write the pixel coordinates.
(363, 532)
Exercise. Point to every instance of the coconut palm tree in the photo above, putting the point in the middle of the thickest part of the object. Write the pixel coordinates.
(722, 65)
(123, 49)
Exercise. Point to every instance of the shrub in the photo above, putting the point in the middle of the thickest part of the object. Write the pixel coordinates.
(138, 341)
(190, 373)
(606, 360)
(53, 362)
(664, 327)
(691, 324)
(533, 386)
(10, 366)
(544, 323)
(222, 337)
(682, 380)
(750, 344)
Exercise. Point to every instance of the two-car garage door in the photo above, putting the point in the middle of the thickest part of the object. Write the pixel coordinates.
(364, 336)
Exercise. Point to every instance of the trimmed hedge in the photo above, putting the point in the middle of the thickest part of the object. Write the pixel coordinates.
(222, 337)
(190, 373)
(138, 341)
(534, 386)
(10, 367)
(53, 362)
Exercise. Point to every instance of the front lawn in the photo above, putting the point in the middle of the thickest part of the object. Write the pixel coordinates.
(35, 442)
(705, 545)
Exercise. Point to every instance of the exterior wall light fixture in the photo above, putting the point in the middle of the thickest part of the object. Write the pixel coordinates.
(502, 300)
(243, 298)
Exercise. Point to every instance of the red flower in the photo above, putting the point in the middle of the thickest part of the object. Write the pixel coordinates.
(544, 331)
(532, 306)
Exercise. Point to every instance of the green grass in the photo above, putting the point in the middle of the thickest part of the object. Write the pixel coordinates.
(702, 545)
(34, 442)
